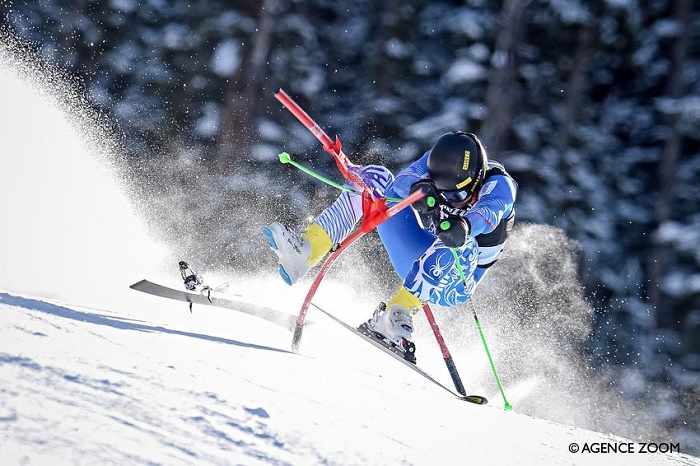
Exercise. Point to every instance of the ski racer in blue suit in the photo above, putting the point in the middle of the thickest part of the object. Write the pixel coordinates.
(465, 215)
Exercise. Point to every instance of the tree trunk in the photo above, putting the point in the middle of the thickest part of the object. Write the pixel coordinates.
(244, 96)
(667, 167)
(503, 88)
(385, 29)
(576, 84)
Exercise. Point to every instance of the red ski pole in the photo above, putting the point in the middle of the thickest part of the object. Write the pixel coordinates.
(332, 147)
(445, 352)
(374, 210)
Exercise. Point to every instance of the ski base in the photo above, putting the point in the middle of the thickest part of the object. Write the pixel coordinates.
(205, 298)
(400, 356)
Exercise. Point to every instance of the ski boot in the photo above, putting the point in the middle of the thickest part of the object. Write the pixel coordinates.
(393, 328)
(297, 253)
(392, 324)
(190, 278)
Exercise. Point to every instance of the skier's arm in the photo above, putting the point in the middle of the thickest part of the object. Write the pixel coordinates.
(496, 199)
(408, 176)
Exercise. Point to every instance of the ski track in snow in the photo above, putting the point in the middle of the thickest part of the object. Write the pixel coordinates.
(154, 384)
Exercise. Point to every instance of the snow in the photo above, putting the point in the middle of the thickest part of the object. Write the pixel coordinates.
(208, 124)
(678, 284)
(175, 36)
(123, 5)
(464, 70)
(395, 48)
(621, 4)
(93, 373)
(467, 22)
(450, 116)
(571, 11)
(264, 152)
(226, 58)
(123, 58)
(666, 28)
(270, 131)
(152, 383)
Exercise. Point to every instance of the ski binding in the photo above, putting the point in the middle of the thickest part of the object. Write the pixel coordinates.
(407, 350)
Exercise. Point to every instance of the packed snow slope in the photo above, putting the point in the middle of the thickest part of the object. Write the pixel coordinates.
(92, 372)
(148, 382)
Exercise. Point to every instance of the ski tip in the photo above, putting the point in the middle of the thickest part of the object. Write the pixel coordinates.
(136, 285)
(476, 399)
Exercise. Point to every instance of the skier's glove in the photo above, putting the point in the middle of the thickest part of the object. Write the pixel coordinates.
(429, 202)
(452, 231)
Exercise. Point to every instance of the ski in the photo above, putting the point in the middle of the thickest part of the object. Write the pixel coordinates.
(205, 298)
(398, 355)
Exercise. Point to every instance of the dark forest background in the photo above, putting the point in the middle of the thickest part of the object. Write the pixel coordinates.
(594, 107)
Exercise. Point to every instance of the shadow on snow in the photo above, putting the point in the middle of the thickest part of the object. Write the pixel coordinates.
(117, 322)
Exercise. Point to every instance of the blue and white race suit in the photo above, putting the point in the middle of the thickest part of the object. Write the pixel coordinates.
(425, 264)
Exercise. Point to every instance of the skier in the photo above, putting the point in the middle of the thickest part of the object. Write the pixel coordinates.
(467, 208)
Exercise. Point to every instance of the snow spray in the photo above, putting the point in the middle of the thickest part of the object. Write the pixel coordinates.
(538, 323)
(68, 228)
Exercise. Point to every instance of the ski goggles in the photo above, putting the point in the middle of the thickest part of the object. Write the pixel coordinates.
(456, 196)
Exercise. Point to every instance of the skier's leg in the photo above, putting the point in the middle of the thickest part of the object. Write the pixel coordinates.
(405, 242)
(432, 277)
(299, 253)
(394, 321)
(435, 278)
(429, 272)
(404, 238)
(340, 218)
